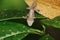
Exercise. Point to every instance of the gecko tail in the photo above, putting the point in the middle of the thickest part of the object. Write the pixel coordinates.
(30, 22)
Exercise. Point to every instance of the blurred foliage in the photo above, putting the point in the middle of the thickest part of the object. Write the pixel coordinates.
(17, 4)
(47, 37)
(54, 22)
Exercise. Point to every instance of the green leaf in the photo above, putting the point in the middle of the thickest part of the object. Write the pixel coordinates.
(53, 23)
(16, 37)
(12, 14)
(47, 37)
(57, 18)
(15, 30)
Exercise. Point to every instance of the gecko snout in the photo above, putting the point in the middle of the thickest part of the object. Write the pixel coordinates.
(30, 22)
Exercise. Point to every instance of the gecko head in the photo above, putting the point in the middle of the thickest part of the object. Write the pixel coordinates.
(30, 22)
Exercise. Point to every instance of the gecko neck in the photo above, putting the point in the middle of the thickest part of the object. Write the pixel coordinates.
(31, 13)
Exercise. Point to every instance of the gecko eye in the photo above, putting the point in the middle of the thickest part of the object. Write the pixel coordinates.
(38, 10)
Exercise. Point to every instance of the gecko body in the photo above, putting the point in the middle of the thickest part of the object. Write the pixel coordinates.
(31, 15)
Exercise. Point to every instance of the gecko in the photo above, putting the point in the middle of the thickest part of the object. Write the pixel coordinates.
(31, 14)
